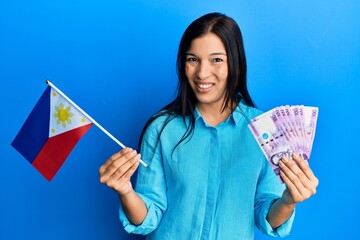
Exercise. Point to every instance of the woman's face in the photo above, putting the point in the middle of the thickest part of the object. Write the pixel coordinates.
(206, 69)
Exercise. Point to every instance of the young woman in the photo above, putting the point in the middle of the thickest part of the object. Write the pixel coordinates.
(207, 178)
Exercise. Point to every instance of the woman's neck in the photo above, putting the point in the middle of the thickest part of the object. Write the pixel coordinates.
(213, 115)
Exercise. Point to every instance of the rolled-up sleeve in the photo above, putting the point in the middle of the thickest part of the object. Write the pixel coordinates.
(269, 190)
(148, 225)
(265, 227)
(150, 185)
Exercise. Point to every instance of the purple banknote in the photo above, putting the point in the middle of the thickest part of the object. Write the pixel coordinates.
(283, 131)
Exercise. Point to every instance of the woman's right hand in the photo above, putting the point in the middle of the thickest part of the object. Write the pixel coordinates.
(118, 169)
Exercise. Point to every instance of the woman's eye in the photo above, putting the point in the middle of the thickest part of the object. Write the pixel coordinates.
(191, 59)
(217, 60)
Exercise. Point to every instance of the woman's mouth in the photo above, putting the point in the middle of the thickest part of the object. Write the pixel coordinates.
(204, 86)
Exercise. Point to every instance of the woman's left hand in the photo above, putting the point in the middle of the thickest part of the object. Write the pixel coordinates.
(300, 180)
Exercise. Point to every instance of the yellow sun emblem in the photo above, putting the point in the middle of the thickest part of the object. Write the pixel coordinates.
(63, 115)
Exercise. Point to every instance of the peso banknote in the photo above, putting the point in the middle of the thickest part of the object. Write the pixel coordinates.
(283, 131)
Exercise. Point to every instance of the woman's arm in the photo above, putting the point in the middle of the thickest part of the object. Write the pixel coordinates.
(134, 207)
(116, 173)
(300, 183)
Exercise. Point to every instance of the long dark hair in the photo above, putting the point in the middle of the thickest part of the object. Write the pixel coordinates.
(184, 104)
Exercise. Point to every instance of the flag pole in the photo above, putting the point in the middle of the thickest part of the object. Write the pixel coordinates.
(90, 118)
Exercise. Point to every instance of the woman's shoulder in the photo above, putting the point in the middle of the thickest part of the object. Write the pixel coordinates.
(159, 120)
(249, 111)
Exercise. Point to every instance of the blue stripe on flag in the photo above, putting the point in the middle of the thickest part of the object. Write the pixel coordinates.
(35, 131)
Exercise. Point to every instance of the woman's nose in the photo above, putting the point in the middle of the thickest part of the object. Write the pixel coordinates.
(203, 70)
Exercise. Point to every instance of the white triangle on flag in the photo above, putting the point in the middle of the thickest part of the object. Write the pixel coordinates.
(63, 115)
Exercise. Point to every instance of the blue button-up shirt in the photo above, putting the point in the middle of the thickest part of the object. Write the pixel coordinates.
(215, 185)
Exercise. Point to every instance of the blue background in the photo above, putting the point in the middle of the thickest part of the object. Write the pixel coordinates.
(116, 60)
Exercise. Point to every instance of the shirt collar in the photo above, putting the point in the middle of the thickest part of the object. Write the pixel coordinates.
(197, 114)
(237, 115)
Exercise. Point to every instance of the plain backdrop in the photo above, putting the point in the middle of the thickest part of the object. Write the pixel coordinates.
(116, 60)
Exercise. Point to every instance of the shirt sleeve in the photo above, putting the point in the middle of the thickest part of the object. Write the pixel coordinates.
(269, 190)
(150, 185)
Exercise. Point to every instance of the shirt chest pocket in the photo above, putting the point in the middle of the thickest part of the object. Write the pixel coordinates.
(194, 151)
(189, 160)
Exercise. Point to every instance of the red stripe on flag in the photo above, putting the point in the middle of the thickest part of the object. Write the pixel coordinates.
(55, 151)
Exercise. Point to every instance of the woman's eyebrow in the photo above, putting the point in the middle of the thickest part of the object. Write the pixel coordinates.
(218, 53)
(211, 54)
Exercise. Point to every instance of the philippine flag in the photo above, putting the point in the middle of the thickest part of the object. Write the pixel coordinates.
(50, 133)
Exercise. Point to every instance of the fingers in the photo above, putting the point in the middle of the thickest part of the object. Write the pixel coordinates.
(119, 183)
(114, 158)
(291, 194)
(119, 165)
(304, 166)
(298, 177)
(294, 178)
